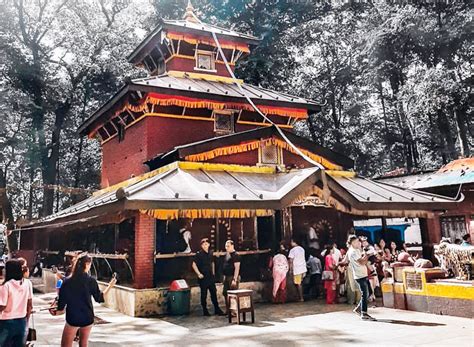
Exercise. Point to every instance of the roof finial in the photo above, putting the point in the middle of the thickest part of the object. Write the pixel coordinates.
(189, 15)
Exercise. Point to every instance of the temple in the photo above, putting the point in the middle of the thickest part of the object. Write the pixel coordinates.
(185, 147)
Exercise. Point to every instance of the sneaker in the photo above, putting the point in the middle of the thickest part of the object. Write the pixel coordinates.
(206, 313)
(366, 316)
(357, 310)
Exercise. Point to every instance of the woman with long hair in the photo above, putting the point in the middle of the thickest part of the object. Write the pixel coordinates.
(75, 297)
(280, 267)
(330, 266)
(15, 304)
(394, 252)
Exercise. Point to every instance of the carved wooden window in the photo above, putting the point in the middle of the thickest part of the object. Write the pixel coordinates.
(205, 61)
(270, 155)
(223, 122)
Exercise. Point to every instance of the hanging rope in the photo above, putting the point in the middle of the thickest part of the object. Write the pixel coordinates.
(282, 134)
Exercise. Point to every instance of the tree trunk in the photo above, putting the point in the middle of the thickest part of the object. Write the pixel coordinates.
(7, 212)
(462, 131)
(312, 130)
(449, 149)
(385, 120)
(50, 162)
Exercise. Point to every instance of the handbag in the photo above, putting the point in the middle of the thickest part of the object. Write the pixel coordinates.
(327, 275)
(31, 331)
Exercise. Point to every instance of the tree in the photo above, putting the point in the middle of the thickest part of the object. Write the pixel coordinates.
(53, 48)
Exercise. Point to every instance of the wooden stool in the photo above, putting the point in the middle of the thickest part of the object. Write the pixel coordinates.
(240, 301)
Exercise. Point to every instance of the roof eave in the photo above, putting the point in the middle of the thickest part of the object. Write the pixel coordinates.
(84, 128)
(249, 39)
(311, 106)
(131, 58)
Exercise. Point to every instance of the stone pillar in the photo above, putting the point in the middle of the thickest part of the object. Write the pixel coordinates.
(144, 251)
(430, 234)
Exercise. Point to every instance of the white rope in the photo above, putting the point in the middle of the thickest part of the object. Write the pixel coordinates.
(282, 134)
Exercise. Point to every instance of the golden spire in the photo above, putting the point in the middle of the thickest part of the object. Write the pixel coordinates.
(189, 15)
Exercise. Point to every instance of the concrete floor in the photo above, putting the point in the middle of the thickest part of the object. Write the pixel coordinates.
(294, 324)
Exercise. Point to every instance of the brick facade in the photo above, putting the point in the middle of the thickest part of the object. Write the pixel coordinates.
(188, 65)
(148, 138)
(120, 160)
(144, 251)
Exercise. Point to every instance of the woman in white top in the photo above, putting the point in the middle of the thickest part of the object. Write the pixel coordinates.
(16, 296)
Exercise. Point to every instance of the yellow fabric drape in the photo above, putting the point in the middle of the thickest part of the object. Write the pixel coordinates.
(206, 213)
(249, 146)
(208, 41)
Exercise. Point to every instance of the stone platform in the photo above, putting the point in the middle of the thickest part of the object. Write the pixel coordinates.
(311, 323)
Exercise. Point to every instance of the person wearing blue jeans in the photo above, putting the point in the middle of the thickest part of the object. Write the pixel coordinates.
(358, 263)
(16, 295)
(12, 332)
(364, 287)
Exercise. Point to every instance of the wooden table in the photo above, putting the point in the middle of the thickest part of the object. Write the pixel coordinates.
(240, 301)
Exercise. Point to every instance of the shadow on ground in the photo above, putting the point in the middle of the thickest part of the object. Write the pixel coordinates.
(266, 314)
(411, 323)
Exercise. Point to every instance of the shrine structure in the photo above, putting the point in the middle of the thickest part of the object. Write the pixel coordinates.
(185, 145)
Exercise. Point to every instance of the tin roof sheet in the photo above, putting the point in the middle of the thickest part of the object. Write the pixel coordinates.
(460, 171)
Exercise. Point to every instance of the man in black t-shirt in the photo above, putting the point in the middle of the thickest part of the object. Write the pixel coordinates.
(203, 266)
(231, 269)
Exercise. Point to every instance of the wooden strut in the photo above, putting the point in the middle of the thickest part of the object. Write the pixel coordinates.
(216, 254)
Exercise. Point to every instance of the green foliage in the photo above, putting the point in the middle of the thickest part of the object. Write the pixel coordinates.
(395, 79)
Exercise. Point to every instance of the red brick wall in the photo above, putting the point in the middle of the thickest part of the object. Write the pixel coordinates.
(163, 134)
(245, 158)
(122, 159)
(144, 251)
(183, 64)
(290, 159)
(154, 135)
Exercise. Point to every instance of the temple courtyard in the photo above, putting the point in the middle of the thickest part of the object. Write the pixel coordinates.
(311, 323)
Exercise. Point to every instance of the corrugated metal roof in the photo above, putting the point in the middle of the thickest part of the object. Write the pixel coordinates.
(188, 186)
(177, 186)
(404, 181)
(460, 171)
(208, 28)
(83, 206)
(365, 191)
(222, 186)
(205, 86)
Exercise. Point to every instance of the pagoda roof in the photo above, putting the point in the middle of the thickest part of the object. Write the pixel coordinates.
(189, 27)
(204, 190)
(201, 86)
(181, 152)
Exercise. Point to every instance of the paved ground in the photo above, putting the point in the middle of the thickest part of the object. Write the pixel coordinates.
(311, 323)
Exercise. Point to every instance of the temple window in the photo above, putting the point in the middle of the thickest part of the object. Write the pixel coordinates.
(205, 61)
(223, 122)
(269, 155)
(453, 227)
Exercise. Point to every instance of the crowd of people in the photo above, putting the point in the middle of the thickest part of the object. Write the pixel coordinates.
(337, 272)
(354, 271)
